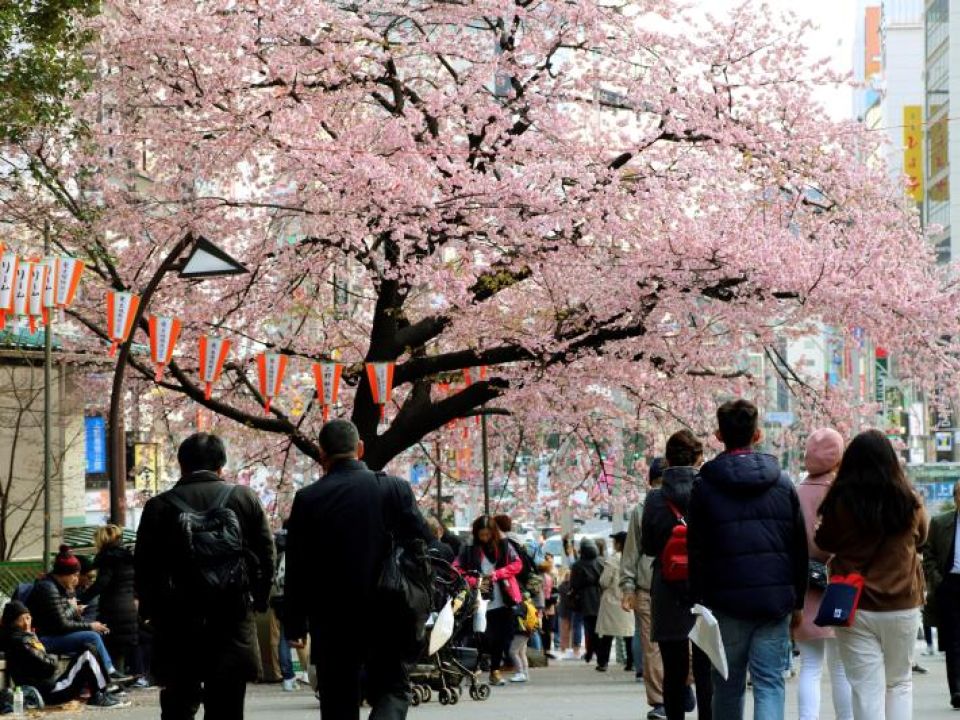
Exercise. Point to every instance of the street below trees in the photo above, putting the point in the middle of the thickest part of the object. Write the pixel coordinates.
(565, 691)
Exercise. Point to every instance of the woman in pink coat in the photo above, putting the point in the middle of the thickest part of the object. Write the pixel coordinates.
(824, 450)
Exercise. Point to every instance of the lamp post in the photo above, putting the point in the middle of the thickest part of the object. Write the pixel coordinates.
(483, 413)
(204, 261)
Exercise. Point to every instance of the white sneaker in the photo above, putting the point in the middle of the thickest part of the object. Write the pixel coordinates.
(304, 677)
(929, 652)
(518, 678)
(290, 685)
(568, 655)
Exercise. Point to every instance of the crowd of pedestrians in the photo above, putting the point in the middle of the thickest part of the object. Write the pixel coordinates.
(732, 534)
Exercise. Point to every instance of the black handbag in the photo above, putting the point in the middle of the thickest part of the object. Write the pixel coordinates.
(818, 577)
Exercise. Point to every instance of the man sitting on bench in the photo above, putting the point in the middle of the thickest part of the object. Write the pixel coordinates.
(58, 620)
(29, 664)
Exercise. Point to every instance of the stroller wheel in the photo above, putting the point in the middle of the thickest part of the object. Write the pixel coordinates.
(426, 692)
(483, 691)
(444, 696)
(454, 696)
(415, 696)
(473, 692)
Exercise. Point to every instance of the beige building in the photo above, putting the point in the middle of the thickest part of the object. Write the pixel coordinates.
(21, 452)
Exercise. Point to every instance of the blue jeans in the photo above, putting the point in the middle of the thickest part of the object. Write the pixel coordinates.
(75, 643)
(761, 646)
(576, 623)
(284, 656)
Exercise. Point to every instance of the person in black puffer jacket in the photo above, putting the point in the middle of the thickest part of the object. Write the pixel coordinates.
(747, 545)
(585, 591)
(114, 592)
(670, 601)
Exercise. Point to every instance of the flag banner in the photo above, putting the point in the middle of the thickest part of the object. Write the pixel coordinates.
(271, 367)
(213, 354)
(164, 332)
(327, 377)
(8, 281)
(121, 307)
(38, 284)
(68, 280)
(380, 375)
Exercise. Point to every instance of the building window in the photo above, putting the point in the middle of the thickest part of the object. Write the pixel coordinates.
(937, 19)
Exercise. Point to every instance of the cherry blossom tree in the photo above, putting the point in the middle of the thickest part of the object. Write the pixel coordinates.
(575, 196)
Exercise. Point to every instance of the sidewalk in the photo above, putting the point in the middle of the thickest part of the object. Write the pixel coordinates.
(565, 691)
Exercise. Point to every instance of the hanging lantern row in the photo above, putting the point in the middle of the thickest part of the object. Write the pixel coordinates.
(31, 288)
(271, 367)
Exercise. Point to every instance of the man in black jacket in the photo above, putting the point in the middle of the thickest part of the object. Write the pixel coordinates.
(337, 541)
(57, 617)
(747, 548)
(203, 651)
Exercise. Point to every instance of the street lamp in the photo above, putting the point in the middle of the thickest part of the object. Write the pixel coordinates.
(483, 413)
(205, 260)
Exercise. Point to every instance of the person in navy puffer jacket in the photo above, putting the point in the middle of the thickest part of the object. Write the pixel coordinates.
(747, 545)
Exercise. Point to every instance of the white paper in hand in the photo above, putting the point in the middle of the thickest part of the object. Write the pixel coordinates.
(442, 628)
(706, 636)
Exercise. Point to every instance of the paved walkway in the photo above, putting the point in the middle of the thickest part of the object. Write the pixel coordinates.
(565, 691)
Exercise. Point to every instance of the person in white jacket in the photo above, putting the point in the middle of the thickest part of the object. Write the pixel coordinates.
(613, 621)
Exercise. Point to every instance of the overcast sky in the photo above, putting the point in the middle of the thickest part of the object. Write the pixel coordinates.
(836, 22)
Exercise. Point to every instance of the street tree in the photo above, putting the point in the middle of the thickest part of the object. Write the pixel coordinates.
(597, 202)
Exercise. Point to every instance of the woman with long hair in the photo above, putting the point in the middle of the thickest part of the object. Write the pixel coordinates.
(490, 562)
(872, 521)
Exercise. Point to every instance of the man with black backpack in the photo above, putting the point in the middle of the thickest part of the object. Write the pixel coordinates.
(342, 536)
(204, 562)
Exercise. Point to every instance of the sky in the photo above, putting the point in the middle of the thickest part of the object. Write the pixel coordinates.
(833, 37)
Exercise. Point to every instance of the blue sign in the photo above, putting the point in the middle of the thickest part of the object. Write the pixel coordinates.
(418, 474)
(96, 443)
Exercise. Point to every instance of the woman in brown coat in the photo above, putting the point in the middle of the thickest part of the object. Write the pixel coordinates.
(873, 522)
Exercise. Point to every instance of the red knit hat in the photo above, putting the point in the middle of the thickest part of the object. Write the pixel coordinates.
(65, 563)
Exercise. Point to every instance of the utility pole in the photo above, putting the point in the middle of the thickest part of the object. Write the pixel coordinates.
(486, 464)
(438, 477)
(47, 449)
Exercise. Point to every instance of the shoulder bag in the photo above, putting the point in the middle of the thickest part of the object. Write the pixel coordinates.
(838, 608)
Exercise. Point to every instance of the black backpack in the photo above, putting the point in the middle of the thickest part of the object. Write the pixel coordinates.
(212, 555)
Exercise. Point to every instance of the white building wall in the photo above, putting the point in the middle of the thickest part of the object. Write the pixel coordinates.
(903, 68)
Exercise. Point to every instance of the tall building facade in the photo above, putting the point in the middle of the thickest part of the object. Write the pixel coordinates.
(942, 173)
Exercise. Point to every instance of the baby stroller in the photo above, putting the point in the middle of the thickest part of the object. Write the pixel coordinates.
(458, 660)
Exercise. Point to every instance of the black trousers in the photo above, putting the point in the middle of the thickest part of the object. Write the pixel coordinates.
(498, 635)
(222, 699)
(676, 670)
(348, 670)
(590, 638)
(85, 672)
(948, 626)
(605, 645)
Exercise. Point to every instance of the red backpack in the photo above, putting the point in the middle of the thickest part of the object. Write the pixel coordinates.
(674, 561)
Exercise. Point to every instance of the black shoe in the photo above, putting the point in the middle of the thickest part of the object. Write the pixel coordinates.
(550, 656)
(955, 701)
(920, 669)
(106, 700)
(689, 700)
(657, 713)
(601, 668)
(628, 668)
(119, 678)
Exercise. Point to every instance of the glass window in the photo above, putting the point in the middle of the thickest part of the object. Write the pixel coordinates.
(937, 18)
